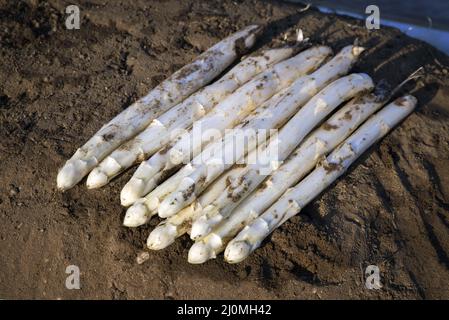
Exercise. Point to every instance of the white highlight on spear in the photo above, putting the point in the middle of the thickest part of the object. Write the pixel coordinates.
(170, 92)
(225, 114)
(289, 137)
(327, 172)
(172, 123)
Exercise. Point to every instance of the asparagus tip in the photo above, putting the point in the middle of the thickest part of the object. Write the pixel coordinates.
(237, 251)
(67, 177)
(136, 215)
(96, 179)
(176, 158)
(162, 236)
(170, 205)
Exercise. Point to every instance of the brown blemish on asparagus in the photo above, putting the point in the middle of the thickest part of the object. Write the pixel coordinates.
(328, 126)
(265, 185)
(141, 157)
(167, 173)
(228, 181)
(201, 180)
(108, 137)
(245, 123)
(164, 150)
(348, 115)
(187, 70)
(239, 46)
(186, 194)
(235, 197)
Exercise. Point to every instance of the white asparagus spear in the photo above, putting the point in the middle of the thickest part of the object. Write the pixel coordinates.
(337, 66)
(167, 94)
(312, 113)
(320, 142)
(226, 114)
(144, 208)
(170, 124)
(318, 180)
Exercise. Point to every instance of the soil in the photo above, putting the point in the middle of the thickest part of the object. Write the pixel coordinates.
(58, 86)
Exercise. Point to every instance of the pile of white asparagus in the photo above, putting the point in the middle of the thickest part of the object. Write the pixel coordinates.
(304, 121)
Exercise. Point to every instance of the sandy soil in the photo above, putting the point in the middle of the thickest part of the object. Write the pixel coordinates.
(58, 86)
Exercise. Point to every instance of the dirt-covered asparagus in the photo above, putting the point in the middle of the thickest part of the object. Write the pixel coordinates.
(336, 164)
(228, 222)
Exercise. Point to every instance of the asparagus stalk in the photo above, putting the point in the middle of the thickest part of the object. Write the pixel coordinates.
(170, 124)
(170, 92)
(318, 180)
(225, 114)
(320, 142)
(289, 137)
(144, 208)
